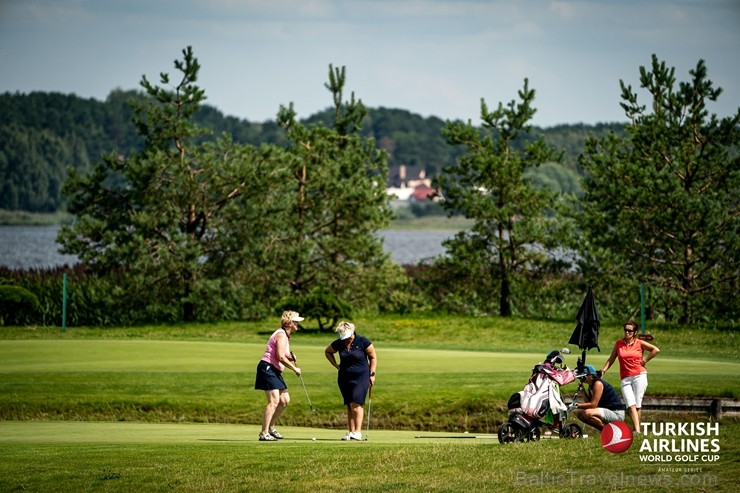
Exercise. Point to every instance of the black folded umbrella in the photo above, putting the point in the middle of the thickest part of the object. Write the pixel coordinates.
(586, 333)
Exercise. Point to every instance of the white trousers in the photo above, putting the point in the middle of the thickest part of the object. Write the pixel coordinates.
(633, 388)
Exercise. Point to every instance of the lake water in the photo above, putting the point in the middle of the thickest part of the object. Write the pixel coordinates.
(23, 247)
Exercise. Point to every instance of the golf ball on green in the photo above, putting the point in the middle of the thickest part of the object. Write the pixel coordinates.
(314, 439)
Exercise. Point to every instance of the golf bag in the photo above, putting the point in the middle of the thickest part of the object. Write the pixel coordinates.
(540, 404)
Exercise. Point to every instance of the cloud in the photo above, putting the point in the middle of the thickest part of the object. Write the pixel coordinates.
(432, 57)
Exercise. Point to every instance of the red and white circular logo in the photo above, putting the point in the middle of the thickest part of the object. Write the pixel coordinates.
(616, 437)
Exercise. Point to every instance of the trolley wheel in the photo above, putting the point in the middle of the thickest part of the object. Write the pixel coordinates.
(532, 435)
(508, 433)
(572, 430)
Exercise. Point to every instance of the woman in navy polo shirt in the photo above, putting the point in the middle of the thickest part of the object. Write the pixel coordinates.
(357, 364)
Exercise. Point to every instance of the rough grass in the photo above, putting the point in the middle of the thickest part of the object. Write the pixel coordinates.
(496, 334)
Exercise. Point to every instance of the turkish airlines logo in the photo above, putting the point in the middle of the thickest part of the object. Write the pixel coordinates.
(616, 437)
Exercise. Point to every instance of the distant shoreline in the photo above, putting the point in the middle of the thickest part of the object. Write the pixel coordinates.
(25, 218)
(431, 223)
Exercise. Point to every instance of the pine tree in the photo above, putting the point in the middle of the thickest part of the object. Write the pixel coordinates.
(338, 199)
(661, 204)
(188, 219)
(488, 185)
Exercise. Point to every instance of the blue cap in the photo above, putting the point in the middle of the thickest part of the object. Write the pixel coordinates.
(590, 370)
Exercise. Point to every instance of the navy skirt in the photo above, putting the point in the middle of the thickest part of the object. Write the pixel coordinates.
(269, 378)
(354, 387)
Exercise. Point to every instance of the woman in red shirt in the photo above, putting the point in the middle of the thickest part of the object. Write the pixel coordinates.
(632, 360)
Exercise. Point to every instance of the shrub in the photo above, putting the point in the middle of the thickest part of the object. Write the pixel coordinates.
(319, 304)
(18, 305)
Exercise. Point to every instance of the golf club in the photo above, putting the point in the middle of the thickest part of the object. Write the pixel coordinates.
(369, 408)
(313, 410)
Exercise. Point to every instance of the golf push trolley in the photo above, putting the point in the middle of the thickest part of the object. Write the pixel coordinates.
(540, 404)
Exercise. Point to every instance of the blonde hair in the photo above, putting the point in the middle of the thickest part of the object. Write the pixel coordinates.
(344, 327)
(287, 318)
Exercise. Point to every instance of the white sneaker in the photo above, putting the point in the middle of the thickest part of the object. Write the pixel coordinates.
(347, 437)
(355, 436)
(275, 434)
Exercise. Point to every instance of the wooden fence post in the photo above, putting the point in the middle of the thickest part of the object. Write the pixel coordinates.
(715, 409)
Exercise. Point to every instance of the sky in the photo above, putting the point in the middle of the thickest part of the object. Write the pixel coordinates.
(430, 57)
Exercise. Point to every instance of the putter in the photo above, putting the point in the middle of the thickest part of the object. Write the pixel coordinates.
(369, 408)
(313, 410)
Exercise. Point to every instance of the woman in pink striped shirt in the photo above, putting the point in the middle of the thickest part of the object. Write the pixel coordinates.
(275, 360)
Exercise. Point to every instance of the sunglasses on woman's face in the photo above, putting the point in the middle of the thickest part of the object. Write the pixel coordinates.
(629, 331)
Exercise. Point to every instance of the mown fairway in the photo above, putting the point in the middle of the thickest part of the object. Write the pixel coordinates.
(172, 409)
(77, 457)
(200, 381)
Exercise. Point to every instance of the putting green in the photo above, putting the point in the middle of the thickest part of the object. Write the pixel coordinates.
(79, 432)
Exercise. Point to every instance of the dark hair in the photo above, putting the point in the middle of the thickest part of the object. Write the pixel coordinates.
(632, 324)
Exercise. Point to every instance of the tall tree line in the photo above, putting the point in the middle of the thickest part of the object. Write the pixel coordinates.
(212, 227)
